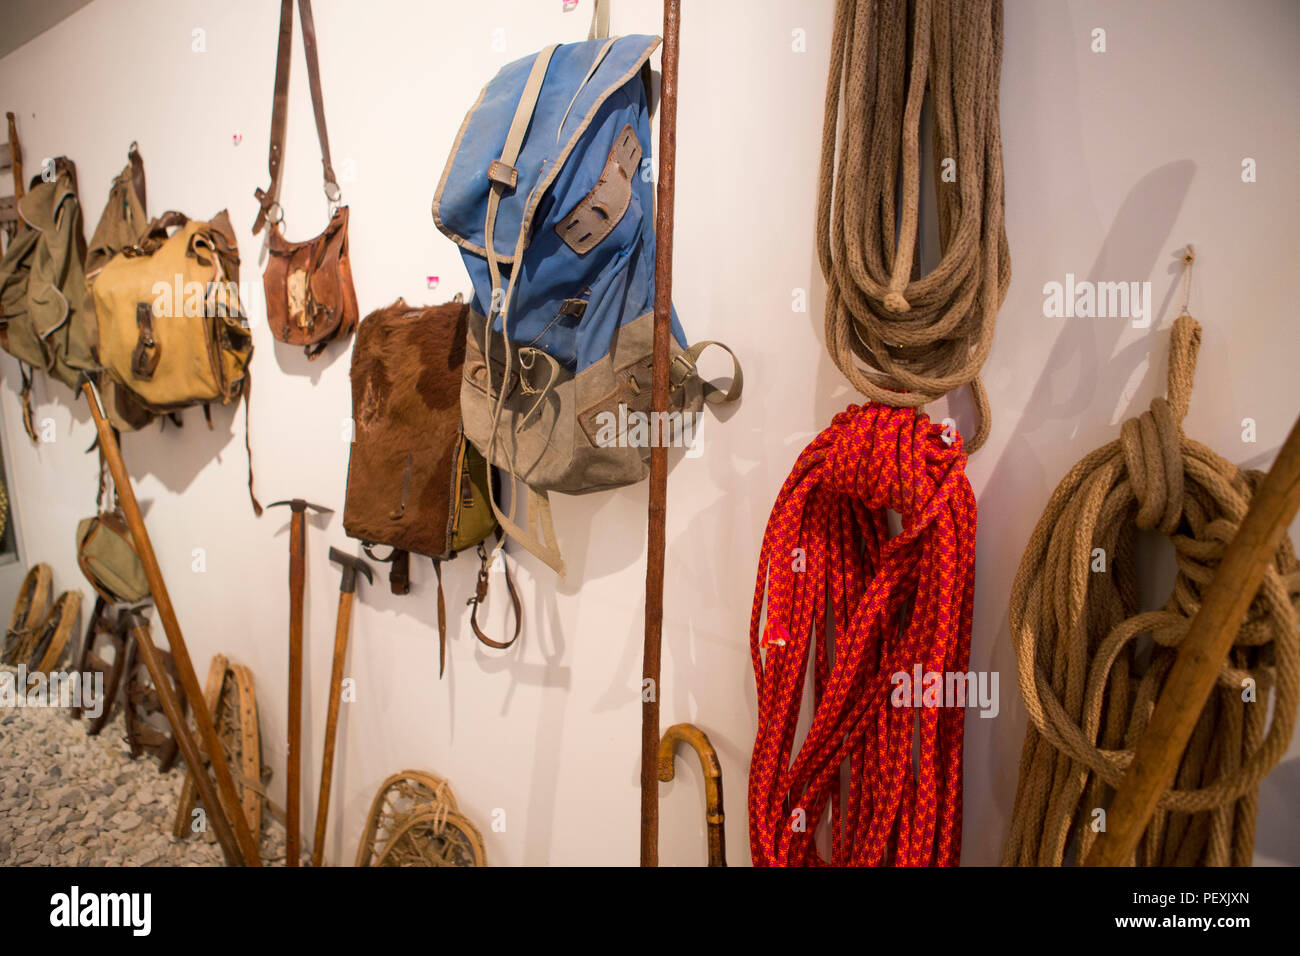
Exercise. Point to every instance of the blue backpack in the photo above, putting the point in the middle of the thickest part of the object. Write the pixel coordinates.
(549, 193)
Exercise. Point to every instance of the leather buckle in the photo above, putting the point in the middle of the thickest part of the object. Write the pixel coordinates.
(503, 174)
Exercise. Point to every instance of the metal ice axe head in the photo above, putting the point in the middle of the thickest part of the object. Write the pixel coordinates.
(299, 505)
(351, 565)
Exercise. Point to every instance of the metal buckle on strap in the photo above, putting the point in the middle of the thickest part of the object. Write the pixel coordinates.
(681, 361)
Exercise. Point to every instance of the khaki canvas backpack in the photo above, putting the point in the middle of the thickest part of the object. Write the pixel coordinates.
(171, 326)
(123, 223)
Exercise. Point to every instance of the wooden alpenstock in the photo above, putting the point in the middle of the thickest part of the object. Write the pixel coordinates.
(185, 740)
(654, 572)
(228, 804)
(1200, 657)
(297, 581)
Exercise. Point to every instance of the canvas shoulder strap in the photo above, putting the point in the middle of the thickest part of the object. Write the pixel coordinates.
(539, 539)
(270, 197)
(599, 20)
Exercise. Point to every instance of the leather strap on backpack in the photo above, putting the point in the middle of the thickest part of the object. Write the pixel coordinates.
(145, 356)
(270, 198)
(480, 595)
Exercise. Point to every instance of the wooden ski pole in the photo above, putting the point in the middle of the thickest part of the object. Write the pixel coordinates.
(1200, 656)
(228, 804)
(654, 574)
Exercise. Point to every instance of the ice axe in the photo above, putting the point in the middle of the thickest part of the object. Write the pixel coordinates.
(297, 581)
(347, 588)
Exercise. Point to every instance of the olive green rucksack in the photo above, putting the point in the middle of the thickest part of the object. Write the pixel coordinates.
(44, 321)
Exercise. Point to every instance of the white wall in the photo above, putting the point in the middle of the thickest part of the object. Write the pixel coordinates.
(1114, 161)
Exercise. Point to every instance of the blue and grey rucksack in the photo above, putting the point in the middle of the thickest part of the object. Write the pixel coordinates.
(548, 191)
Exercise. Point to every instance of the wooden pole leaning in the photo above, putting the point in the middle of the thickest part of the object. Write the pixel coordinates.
(657, 535)
(185, 740)
(1200, 656)
(228, 805)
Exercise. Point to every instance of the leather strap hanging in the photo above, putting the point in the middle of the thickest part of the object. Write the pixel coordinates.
(270, 198)
(310, 300)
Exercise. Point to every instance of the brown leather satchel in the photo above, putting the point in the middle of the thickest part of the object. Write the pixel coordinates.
(310, 300)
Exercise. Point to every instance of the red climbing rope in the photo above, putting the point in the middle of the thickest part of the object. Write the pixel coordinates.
(870, 607)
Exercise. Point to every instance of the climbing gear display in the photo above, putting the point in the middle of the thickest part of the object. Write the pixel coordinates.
(414, 482)
(310, 300)
(352, 566)
(899, 337)
(414, 821)
(231, 829)
(107, 558)
(297, 583)
(44, 321)
(1091, 664)
(860, 607)
(144, 708)
(29, 609)
(546, 195)
(229, 695)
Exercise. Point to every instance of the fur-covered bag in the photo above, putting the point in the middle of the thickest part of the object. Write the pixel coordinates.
(414, 482)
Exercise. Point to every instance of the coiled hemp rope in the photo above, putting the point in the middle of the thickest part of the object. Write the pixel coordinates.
(919, 337)
(1090, 687)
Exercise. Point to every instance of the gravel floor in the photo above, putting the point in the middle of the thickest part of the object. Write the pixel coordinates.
(67, 799)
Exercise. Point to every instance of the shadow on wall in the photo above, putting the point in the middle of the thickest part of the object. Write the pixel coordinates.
(293, 361)
(176, 455)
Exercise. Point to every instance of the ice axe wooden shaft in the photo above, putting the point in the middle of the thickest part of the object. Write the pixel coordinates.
(297, 584)
(228, 805)
(347, 587)
(1200, 656)
(654, 573)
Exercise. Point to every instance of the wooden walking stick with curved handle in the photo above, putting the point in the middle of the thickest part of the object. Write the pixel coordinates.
(1200, 656)
(698, 740)
(228, 805)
